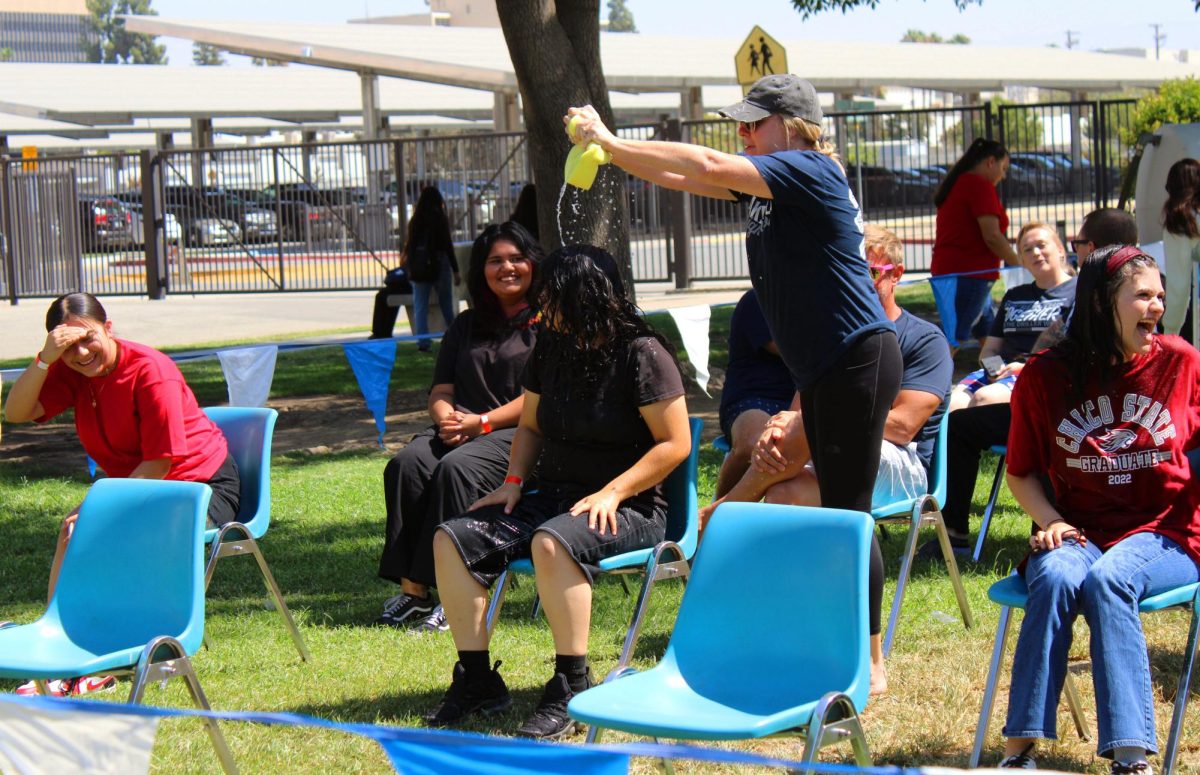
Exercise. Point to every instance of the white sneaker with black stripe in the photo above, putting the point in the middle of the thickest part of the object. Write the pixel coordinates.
(405, 610)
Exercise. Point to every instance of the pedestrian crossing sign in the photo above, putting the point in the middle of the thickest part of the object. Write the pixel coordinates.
(759, 55)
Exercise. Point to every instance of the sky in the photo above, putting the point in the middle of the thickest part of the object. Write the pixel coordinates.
(1094, 24)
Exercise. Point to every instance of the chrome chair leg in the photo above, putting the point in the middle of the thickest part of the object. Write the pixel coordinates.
(656, 570)
(241, 547)
(497, 602)
(277, 598)
(989, 689)
(1075, 706)
(151, 667)
(1182, 692)
(906, 563)
(991, 507)
(964, 606)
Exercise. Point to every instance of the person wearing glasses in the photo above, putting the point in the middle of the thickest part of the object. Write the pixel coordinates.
(969, 235)
(804, 245)
(781, 470)
(976, 429)
(1107, 415)
(1025, 312)
(135, 416)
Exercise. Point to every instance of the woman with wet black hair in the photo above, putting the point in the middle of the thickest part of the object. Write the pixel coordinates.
(605, 422)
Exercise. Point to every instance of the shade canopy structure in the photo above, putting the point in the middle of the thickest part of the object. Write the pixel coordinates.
(477, 58)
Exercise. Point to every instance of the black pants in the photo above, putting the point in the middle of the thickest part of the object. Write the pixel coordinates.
(972, 431)
(844, 415)
(226, 486)
(383, 319)
(427, 483)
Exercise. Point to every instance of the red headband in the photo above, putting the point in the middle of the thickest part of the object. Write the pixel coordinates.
(1121, 258)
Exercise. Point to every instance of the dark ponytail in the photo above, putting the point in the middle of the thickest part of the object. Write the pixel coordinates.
(978, 151)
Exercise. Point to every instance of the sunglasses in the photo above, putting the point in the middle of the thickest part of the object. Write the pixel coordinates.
(878, 271)
(753, 125)
(1079, 242)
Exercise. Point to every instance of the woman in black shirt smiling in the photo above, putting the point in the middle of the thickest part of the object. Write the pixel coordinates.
(474, 403)
(605, 421)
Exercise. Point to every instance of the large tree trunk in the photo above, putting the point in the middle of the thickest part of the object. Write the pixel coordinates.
(555, 50)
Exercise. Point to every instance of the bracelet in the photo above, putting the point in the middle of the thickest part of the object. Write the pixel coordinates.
(510, 479)
(37, 361)
(484, 424)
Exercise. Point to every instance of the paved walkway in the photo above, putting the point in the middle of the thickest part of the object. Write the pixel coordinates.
(179, 321)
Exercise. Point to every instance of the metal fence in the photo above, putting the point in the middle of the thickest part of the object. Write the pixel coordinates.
(332, 215)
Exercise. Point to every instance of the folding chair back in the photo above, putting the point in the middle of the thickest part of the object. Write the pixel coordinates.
(132, 570)
(776, 608)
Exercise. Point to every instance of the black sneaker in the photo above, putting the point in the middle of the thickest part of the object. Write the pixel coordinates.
(550, 720)
(487, 695)
(1139, 767)
(932, 550)
(435, 622)
(404, 610)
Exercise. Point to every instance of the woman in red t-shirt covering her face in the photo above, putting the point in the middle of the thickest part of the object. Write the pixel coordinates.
(135, 415)
(1107, 415)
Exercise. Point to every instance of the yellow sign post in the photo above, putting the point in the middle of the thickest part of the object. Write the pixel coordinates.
(759, 55)
(29, 152)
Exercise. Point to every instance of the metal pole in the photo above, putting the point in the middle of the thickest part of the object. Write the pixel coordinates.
(279, 216)
(6, 205)
(153, 231)
(681, 223)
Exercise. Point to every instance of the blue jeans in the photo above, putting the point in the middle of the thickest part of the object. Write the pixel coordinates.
(445, 296)
(1106, 588)
(973, 309)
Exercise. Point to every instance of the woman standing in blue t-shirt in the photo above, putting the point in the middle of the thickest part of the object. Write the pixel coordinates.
(804, 242)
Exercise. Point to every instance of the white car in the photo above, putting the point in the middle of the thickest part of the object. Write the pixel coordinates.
(138, 234)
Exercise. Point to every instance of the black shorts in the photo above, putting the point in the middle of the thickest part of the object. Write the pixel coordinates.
(730, 413)
(226, 486)
(488, 539)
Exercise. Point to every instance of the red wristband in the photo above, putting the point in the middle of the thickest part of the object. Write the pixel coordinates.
(485, 424)
(510, 479)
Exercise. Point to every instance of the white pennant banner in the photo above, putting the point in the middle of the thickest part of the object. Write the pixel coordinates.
(249, 372)
(44, 741)
(692, 323)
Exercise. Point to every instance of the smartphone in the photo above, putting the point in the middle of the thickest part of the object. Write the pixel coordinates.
(992, 365)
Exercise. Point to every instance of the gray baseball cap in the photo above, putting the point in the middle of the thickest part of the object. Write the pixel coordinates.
(785, 94)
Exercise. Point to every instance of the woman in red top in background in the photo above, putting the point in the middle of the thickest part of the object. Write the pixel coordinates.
(970, 235)
(135, 415)
(1107, 414)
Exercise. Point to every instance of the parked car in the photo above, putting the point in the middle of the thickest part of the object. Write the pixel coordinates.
(1030, 178)
(104, 222)
(1038, 174)
(916, 187)
(879, 186)
(174, 232)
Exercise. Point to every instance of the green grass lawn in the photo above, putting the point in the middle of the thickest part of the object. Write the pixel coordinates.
(324, 546)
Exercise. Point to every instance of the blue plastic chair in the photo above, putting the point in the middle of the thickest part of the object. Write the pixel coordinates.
(771, 637)
(924, 511)
(249, 430)
(721, 444)
(130, 595)
(997, 480)
(682, 527)
(1011, 592)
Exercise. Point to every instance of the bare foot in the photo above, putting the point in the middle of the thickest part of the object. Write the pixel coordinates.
(879, 683)
(703, 515)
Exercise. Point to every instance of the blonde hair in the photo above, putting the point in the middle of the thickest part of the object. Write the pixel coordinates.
(1062, 250)
(879, 238)
(811, 133)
